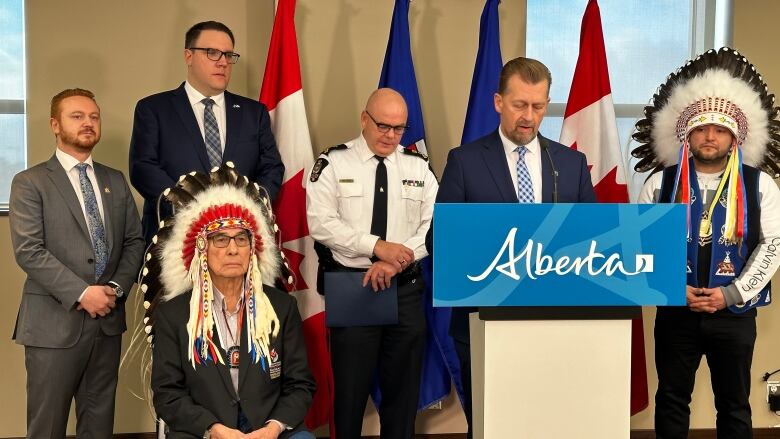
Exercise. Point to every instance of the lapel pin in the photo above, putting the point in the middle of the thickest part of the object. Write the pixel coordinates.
(236, 106)
(107, 190)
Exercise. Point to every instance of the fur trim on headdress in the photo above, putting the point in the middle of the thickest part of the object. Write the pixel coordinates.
(751, 133)
(726, 83)
(176, 255)
(175, 263)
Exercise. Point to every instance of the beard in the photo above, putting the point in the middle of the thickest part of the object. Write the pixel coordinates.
(72, 139)
(710, 156)
(520, 138)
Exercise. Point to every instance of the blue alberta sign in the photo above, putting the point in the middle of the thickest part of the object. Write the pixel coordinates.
(559, 254)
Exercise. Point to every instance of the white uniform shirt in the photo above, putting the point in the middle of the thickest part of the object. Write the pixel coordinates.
(765, 259)
(195, 98)
(533, 161)
(339, 204)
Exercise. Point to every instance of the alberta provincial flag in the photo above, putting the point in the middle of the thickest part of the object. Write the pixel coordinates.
(481, 116)
(398, 74)
(282, 93)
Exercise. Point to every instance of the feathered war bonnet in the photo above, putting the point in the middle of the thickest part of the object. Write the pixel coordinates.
(721, 88)
(175, 263)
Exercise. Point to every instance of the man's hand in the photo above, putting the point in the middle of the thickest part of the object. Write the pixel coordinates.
(219, 431)
(706, 300)
(98, 300)
(272, 430)
(380, 275)
(398, 255)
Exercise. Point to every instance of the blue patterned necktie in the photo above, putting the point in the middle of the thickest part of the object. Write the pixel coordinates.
(211, 129)
(525, 188)
(95, 224)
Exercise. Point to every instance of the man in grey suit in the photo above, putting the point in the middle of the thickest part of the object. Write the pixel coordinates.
(77, 235)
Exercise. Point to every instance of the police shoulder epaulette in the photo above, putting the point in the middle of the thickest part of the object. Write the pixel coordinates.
(334, 148)
(322, 162)
(415, 153)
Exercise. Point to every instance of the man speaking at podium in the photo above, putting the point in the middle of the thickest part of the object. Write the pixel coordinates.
(512, 164)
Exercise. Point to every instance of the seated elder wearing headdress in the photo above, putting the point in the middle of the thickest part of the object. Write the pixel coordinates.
(228, 354)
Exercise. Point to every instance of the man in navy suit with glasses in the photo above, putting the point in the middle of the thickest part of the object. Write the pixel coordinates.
(200, 125)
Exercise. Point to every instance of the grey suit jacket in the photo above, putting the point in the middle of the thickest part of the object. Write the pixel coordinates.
(52, 245)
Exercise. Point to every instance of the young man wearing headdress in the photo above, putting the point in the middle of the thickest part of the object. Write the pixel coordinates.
(712, 128)
(228, 355)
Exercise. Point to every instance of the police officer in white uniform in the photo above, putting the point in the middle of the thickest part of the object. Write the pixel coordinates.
(369, 206)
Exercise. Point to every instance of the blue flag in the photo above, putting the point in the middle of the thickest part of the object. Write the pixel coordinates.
(440, 362)
(481, 116)
(398, 74)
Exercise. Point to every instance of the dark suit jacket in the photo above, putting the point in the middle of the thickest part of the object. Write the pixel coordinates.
(478, 173)
(53, 246)
(190, 399)
(166, 143)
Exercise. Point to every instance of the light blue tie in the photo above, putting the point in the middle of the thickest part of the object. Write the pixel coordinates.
(211, 129)
(525, 188)
(95, 224)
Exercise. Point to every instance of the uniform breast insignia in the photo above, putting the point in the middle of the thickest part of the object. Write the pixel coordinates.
(413, 183)
(319, 165)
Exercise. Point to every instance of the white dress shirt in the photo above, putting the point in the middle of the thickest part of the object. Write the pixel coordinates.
(227, 328)
(533, 161)
(339, 204)
(69, 163)
(198, 107)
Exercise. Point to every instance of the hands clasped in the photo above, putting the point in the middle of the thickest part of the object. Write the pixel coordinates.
(394, 258)
(706, 300)
(98, 300)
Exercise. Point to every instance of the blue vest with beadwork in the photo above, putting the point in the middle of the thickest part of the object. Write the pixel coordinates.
(727, 259)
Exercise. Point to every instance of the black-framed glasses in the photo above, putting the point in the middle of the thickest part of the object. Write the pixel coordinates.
(216, 54)
(384, 128)
(221, 240)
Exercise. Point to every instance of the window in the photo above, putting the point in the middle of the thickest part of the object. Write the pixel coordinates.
(645, 40)
(13, 154)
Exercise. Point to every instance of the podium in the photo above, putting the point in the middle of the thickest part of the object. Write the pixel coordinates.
(557, 287)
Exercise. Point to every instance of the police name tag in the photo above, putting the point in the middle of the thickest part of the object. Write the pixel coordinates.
(559, 254)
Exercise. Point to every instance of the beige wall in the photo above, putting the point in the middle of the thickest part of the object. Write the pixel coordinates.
(126, 50)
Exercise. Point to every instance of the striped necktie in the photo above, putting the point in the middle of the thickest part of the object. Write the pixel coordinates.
(211, 130)
(525, 188)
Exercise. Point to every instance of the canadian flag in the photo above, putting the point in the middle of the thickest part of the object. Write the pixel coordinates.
(589, 126)
(282, 94)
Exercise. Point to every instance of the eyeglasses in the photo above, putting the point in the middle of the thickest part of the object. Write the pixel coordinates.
(220, 240)
(216, 54)
(384, 128)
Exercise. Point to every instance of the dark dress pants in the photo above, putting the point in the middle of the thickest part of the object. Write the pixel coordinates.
(396, 351)
(726, 339)
(87, 371)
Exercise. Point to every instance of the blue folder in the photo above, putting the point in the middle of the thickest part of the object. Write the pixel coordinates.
(349, 303)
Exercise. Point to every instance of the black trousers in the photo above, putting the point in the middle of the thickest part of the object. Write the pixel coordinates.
(726, 339)
(396, 351)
